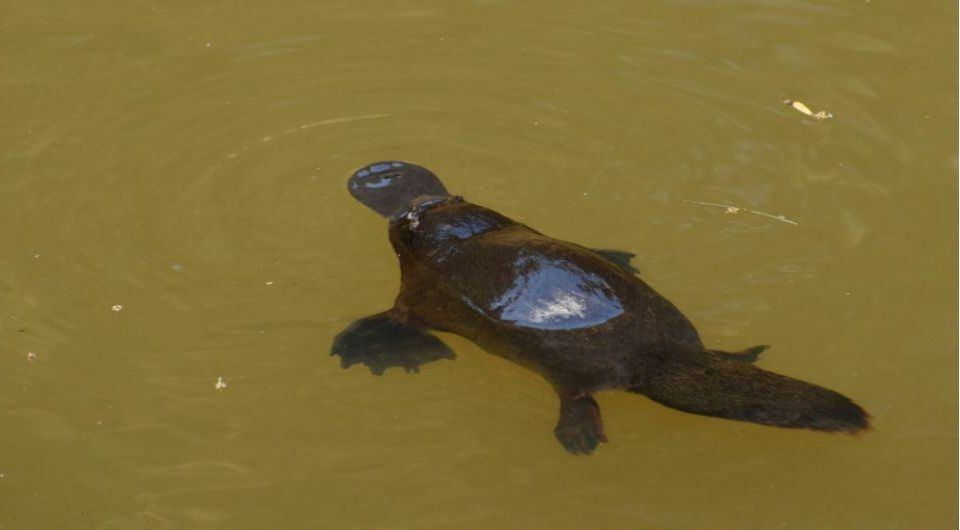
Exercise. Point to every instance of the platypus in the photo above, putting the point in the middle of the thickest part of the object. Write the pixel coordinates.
(577, 316)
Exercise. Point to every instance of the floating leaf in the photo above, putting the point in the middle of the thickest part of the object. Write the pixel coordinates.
(800, 107)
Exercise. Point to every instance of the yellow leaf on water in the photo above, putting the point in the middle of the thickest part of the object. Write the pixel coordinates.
(800, 107)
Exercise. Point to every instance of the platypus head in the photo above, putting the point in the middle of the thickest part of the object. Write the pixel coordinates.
(390, 187)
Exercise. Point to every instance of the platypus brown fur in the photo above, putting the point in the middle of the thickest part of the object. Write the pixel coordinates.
(577, 316)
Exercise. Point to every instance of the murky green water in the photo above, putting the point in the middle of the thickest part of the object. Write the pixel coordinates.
(187, 163)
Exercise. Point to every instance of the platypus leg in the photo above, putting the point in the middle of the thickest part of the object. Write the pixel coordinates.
(749, 355)
(580, 427)
(384, 340)
(619, 258)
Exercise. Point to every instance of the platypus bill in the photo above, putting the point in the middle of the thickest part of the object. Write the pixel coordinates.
(577, 316)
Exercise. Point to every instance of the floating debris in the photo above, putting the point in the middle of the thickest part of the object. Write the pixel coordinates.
(116, 308)
(221, 384)
(730, 210)
(270, 282)
(800, 107)
(31, 356)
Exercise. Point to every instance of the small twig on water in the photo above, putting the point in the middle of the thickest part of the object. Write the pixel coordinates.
(728, 209)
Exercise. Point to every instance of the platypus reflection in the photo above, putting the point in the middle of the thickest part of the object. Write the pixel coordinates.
(577, 316)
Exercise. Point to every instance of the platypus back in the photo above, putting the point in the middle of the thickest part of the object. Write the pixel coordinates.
(713, 385)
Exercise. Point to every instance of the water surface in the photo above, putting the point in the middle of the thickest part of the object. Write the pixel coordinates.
(187, 163)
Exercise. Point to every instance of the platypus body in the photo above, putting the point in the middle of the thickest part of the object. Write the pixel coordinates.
(577, 316)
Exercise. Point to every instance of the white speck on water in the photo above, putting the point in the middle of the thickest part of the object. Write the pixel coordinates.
(116, 308)
(221, 384)
(31, 356)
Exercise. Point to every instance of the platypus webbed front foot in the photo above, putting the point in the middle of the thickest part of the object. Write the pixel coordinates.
(619, 258)
(580, 428)
(381, 341)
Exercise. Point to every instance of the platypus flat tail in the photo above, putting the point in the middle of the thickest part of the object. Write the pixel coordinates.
(713, 385)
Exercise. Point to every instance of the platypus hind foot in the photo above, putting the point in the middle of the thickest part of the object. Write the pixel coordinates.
(580, 427)
(749, 355)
